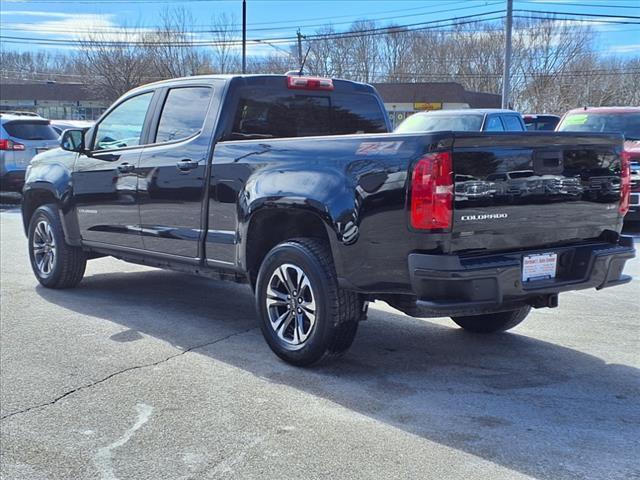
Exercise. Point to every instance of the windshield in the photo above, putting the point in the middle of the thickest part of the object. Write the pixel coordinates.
(626, 123)
(431, 123)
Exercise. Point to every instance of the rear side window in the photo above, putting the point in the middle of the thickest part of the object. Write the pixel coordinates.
(30, 130)
(512, 123)
(272, 114)
(494, 124)
(183, 113)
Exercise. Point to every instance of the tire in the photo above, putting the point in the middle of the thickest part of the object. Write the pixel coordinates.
(493, 322)
(319, 320)
(55, 263)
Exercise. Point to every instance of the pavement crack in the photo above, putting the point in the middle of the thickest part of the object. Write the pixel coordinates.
(120, 372)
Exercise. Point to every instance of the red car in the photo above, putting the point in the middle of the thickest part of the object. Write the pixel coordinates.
(625, 120)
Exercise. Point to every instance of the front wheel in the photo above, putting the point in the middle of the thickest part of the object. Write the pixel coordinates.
(55, 263)
(493, 322)
(305, 316)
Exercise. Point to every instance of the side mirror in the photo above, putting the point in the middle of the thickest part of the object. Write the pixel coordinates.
(72, 140)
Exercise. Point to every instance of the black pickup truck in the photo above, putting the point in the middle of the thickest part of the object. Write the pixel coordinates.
(294, 186)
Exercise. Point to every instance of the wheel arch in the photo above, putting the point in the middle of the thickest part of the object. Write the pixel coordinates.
(42, 193)
(267, 227)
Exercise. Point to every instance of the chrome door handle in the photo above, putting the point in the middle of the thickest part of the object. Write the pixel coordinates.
(186, 165)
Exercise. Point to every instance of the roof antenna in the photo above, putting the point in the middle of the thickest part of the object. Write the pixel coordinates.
(304, 60)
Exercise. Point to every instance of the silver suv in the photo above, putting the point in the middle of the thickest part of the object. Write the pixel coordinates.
(22, 136)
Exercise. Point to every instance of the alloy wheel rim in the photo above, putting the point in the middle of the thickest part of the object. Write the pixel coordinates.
(291, 304)
(44, 248)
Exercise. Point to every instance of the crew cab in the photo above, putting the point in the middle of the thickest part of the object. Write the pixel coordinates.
(293, 185)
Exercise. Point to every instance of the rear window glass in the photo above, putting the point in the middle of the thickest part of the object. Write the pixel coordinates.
(30, 130)
(183, 113)
(545, 124)
(273, 114)
(626, 123)
(425, 122)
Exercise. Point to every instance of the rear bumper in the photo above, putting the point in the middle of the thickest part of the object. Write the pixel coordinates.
(449, 285)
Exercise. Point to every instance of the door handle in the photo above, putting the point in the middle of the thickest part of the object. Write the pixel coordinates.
(126, 168)
(187, 164)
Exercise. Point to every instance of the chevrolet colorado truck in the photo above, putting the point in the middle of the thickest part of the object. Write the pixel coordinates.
(293, 185)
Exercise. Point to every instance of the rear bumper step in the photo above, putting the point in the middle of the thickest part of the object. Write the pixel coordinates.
(449, 285)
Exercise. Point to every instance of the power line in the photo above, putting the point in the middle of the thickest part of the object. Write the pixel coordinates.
(596, 15)
(208, 30)
(462, 20)
(588, 5)
(203, 29)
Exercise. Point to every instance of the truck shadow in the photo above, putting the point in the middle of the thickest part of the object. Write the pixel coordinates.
(544, 410)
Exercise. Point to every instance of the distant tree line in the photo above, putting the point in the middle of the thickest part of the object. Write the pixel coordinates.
(556, 65)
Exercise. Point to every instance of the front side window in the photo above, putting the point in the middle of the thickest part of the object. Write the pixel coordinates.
(183, 113)
(123, 126)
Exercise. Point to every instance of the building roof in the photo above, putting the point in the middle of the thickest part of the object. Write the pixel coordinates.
(445, 92)
(46, 91)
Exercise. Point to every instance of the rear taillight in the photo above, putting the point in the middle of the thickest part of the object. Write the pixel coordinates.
(10, 145)
(625, 182)
(309, 83)
(432, 192)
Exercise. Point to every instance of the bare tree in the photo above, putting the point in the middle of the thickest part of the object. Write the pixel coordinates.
(171, 49)
(113, 63)
(225, 50)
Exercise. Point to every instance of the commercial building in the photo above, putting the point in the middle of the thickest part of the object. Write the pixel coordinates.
(404, 99)
(60, 101)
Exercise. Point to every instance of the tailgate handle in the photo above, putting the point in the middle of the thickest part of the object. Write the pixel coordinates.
(548, 162)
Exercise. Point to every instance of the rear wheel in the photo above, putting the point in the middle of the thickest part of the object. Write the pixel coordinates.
(305, 316)
(493, 322)
(54, 263)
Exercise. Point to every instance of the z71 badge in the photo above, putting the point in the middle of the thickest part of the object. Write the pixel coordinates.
(378, 148)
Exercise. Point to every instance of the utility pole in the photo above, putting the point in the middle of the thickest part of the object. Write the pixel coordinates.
(244, 36)
(300, 37)
(506, 74)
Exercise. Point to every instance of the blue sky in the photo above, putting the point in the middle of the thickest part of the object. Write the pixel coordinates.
(268, 19)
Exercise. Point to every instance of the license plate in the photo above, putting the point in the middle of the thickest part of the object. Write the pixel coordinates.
(40, 150)
(539, 267)
(635, 199)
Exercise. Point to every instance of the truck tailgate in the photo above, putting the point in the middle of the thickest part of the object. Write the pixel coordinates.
(522, 190)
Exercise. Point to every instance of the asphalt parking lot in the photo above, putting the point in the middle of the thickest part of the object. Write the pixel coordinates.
(147, 374)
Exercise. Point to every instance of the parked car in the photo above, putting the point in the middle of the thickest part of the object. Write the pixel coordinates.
(62, 125)
(21, 137)
(624, 120)
(463, 120)
(319, 226)
(544, 122)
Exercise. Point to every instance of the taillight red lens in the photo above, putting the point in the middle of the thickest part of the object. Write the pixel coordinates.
(309, 83)
(10, 145)
(625, 182)
(432, 192)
